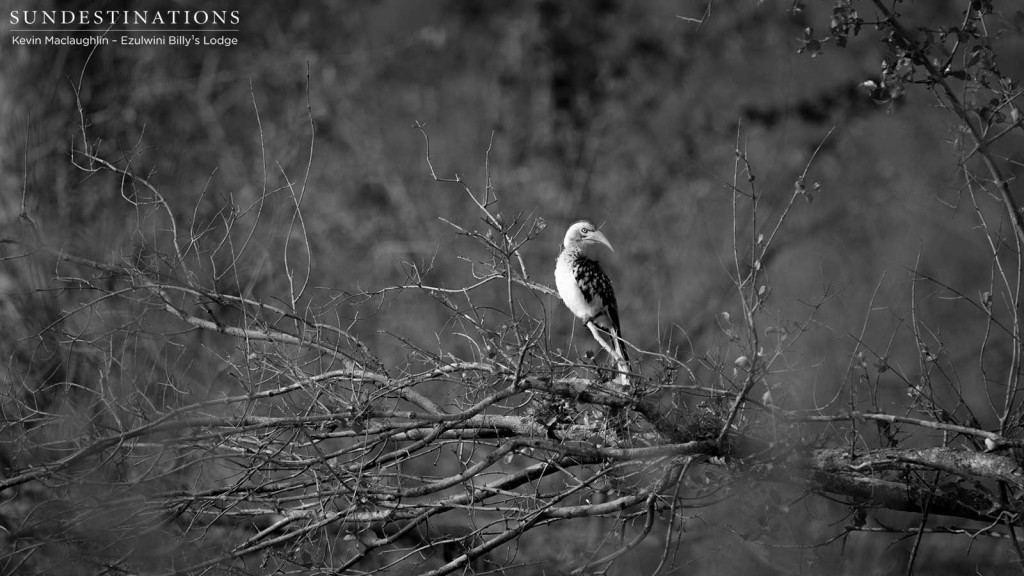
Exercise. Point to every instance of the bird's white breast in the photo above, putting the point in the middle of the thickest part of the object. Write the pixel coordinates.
(569, 290)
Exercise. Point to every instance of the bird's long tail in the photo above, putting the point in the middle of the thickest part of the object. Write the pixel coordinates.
(622, 357)
(620, 345)
(616, 348)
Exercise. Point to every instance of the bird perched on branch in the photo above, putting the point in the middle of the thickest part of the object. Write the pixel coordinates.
(586, 289)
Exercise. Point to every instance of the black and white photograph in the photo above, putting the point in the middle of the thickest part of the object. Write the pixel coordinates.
(529, 288)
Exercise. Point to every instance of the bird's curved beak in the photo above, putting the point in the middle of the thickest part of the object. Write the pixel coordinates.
(600, 238)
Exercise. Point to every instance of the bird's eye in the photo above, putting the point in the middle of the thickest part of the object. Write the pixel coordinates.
(585, 231)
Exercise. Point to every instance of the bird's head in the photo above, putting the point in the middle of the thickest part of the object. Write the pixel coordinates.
(583, 235)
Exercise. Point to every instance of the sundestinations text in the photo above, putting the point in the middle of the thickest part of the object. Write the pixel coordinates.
(124, 17)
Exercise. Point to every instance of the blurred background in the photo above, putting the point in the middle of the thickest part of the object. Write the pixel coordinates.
(626, 113)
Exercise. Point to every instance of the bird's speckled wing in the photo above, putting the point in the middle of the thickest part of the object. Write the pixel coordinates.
(597, 290)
